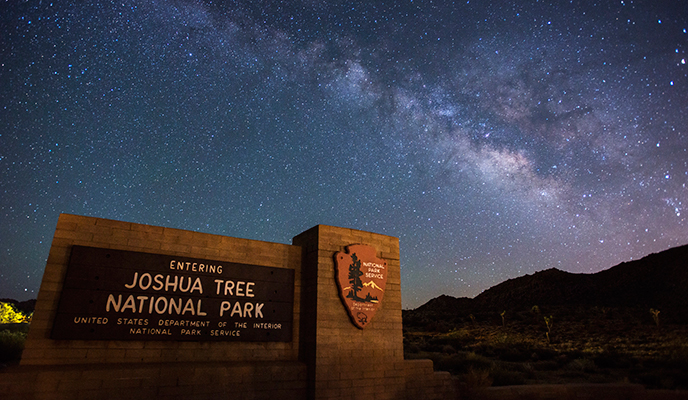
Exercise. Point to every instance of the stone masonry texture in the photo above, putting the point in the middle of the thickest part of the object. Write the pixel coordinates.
(328, 358)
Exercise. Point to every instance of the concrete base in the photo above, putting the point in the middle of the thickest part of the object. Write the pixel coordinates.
(243, 381)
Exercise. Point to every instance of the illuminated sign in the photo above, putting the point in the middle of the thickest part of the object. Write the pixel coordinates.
(361, 278)
(125, 295)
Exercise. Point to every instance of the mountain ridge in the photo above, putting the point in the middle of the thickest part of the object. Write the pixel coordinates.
(658, 280)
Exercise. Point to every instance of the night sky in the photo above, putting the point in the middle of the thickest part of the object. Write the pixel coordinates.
(494, 138)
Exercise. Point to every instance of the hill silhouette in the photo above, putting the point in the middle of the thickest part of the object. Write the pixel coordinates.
(26, 306)
(659, 281)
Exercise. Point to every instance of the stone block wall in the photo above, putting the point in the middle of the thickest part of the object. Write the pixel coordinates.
(345, 362)
(146, 381)
(96, 232)
(328, 358)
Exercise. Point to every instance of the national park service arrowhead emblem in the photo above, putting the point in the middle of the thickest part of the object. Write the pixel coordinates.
(361, 278)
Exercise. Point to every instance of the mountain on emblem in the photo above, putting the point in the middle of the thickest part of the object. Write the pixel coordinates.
(361, 279)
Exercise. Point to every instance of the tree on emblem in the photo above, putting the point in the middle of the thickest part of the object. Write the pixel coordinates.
(355, 278)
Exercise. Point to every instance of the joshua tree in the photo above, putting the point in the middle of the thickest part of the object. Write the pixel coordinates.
(548, 322)
(535, 310)
(355, 278)
(655, 315)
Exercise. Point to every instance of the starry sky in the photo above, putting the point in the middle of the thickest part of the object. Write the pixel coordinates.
(494, 138)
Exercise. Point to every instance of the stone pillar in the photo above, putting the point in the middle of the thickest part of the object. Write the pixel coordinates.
(343, 361)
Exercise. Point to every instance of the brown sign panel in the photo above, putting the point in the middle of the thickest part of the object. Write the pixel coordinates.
(125, 295)
(361, 278)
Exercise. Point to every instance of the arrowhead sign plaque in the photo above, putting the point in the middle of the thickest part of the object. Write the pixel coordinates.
(361, 278)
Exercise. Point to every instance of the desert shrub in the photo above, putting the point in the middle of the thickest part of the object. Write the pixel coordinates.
(544, 354)
(448, 349)
(654, 379)
(460, 335)
(575, 353)
(515, 354)
(411, 348)
(421, 355)
(477, 361)
(506, 377)
(680, 380)
(510, 347)
(11, 344)
(439, 341)
(455, 339)
(521, 316)
(612, 359)
(10, 314)
(433, 347)
(546, 365)
(582, 365)
(677, 358)
(462, 362)
(477, 378)
(437, 326)
(529, 369)
(562, 359)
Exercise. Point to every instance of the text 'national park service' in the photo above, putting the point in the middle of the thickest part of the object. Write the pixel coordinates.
(123, 295)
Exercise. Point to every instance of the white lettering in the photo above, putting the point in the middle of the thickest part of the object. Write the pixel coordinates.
(265, 325)
(177, 306)
(91, 320)
(236, 309)
(198, 309)
(158, 282)
(168, 284)
(149, 331)
(195, 267)
(189, 307)
(129, 303)
(157, 302)
(218, 332)
(181, 283)
(224, 306)
(197, 286)
(149, 280)
(229, 286)
(132, 321)
(111, 301)
(131, 285)
(142, 299)
(248, 308)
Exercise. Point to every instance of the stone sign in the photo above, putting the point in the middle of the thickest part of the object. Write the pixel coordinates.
(128, 311)
(361, 278)
(125, 295)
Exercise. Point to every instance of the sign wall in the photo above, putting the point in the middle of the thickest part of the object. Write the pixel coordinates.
(125, 295)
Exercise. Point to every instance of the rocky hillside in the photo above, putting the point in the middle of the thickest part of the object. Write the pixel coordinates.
(658, 281)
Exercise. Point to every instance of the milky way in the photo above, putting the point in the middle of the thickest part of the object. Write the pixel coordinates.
(494, 140)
